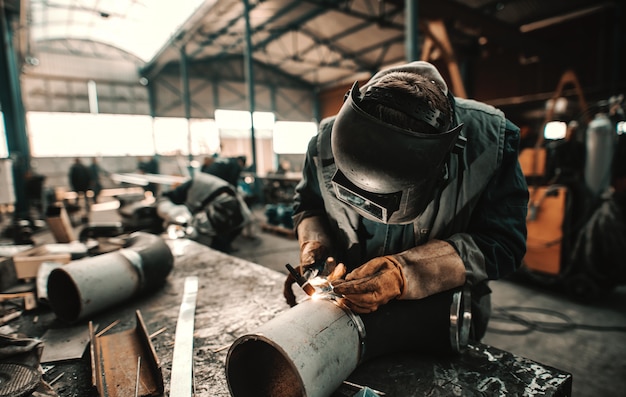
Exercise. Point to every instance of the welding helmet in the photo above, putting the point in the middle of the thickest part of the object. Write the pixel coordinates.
(387, 173)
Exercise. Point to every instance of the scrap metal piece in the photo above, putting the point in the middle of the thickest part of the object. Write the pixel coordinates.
(64, 344)
(114, 355)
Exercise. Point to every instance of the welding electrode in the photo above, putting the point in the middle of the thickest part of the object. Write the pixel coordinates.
(302, 282)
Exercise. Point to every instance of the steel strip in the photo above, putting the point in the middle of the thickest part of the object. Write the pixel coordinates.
(182, 360)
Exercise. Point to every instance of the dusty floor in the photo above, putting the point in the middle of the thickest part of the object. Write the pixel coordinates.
(587, 339)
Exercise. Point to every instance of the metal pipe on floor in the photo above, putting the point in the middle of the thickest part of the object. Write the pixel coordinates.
(309, 350)
(89, 285)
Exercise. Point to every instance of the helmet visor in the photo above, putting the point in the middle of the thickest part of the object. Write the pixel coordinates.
(377, 207)
(394, 171)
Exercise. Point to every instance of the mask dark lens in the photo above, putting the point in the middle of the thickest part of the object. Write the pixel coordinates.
(379, 206)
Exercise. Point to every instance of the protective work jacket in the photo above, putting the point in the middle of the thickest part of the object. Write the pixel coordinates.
(218, 211)
(480, 209)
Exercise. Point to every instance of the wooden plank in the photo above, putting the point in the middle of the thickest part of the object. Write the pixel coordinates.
(27, 262)
(182, 361)
(30, 301)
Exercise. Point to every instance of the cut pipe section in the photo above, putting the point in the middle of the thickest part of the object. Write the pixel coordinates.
(310, 349)
(90, 285)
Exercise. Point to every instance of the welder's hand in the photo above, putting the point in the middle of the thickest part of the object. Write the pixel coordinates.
(290, 297)
(416, 273)
(331, 271)
(315, 249)
(181, 215)
(312, 252)
(372, 284)
(311, 255)
(177, 214)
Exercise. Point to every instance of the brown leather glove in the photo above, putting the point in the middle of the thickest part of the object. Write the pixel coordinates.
(314, 248)
(372, 284)
(312, 252)
(413, 274)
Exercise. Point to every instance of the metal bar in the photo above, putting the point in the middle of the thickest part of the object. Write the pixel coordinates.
(137, 378)
(182, 360)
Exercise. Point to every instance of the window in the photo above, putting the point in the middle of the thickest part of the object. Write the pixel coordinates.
(293, 136)
(85, 134)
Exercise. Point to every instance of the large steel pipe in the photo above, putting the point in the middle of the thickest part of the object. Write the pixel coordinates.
(310, 349)
(89, 285)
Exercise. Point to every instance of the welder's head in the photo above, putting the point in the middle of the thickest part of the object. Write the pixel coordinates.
(391, 140)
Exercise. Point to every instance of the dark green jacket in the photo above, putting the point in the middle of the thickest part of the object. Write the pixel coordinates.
(482, 214)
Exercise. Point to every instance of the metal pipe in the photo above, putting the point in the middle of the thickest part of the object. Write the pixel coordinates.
(309, 350)
(89, 285)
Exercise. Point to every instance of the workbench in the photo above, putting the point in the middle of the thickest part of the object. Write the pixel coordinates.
(235, 297)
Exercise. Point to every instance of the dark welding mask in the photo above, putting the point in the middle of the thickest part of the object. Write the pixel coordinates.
(387, 173)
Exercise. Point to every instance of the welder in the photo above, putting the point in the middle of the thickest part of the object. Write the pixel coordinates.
(408, 192)
(208, 209)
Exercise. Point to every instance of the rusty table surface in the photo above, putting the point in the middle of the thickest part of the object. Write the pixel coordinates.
(236, 297)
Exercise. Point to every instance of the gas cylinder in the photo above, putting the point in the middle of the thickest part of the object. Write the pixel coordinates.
(601, 141)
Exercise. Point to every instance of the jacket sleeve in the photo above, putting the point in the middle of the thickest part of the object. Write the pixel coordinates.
(495, 242)
(178, 195)
(308, 197)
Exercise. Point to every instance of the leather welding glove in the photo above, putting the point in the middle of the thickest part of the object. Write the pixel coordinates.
(413, 274)
(315, 247)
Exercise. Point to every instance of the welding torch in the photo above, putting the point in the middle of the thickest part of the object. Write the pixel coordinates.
(302, 279)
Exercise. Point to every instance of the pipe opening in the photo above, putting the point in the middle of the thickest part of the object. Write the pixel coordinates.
(63, 295)
(258, 369)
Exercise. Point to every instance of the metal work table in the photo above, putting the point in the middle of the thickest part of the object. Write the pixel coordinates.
(235, 297)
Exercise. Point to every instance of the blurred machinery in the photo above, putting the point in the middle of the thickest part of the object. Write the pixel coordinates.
(576, 212)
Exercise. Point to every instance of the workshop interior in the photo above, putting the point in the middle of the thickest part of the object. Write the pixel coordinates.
(99, 296)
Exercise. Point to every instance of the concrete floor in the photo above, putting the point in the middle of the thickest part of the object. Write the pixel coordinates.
(556, 331)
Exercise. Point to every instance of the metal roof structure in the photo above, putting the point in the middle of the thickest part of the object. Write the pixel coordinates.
(314, 46)
(139, 27)
(325, 43)
(320, 42)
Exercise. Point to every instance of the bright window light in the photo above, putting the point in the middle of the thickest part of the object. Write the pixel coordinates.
(85, 134)
(172, 134)
(555, 130)
(293, 136)
(205, 137)
(236, 123)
